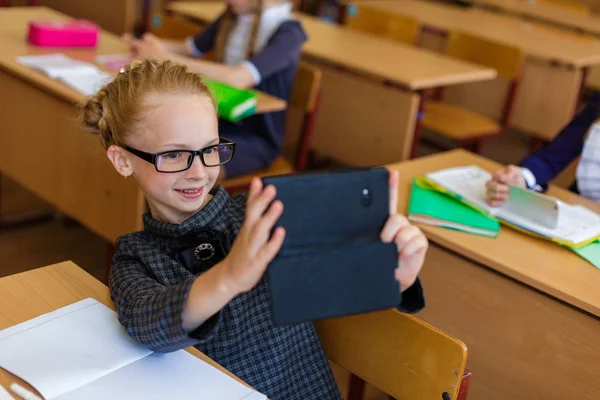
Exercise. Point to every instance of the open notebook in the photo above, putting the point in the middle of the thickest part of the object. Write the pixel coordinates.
(81, 352)
(576, 225)
(84, 77)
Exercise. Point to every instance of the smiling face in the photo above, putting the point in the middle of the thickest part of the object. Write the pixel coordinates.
(173, 122)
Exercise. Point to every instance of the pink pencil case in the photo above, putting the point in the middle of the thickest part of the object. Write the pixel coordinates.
(69, 33)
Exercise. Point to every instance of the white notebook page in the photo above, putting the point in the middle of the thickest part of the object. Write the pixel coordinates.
(178, 375)
(84, 77)
(62, 350)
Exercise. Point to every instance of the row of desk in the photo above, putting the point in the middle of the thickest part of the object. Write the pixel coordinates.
(528, 310)
(358, 104)
(555, 71)
(554, 14)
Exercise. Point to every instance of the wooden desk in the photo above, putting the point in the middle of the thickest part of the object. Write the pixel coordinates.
(361, 104)
(553, 56)
(523, 344)
(116, 16)
(62, 165)
(541, 264)
(545, 12)
(528, 309)
(29, 294)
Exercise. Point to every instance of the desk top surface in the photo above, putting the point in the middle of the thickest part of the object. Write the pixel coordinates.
(13, 32)
(538, 263)
(382, 59)
(536, 40)
(29, 294)
(555, 14)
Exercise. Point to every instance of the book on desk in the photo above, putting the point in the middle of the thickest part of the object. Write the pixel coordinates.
(82, 352)
(455, 198)
(84, 77)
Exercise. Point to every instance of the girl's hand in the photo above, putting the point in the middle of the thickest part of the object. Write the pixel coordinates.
(149, 46)
(253, 250)
(497, 190)
(411, 242)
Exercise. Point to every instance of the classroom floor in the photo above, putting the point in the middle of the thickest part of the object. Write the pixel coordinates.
(31, 245)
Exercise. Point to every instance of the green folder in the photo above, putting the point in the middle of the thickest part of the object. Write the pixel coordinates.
(431, 207)
(233, 103)
(589, 252)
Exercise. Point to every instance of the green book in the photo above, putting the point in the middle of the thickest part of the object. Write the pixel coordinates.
(233, 103)
(431, 207)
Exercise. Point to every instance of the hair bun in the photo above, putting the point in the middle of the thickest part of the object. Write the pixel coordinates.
(92, 118)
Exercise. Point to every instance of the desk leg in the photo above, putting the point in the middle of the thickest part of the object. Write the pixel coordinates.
(146, 15)
(584, 74)
(342, 10)
(418, 123)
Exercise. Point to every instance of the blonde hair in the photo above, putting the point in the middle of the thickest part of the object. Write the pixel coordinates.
(225, 27)
(114, 111)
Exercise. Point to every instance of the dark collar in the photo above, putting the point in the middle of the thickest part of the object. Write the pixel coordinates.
(202, 220)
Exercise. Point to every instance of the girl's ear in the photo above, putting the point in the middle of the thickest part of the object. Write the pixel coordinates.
(120, 161)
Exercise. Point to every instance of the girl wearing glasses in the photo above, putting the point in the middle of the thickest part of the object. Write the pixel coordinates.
(255, 44)
(194, 275)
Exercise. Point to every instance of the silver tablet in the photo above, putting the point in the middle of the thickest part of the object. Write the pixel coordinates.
(533, 206)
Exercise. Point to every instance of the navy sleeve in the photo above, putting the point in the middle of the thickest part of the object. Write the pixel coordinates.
(282, 50)
(205, 40)
(152, 313)
(548, 162)
(413, 298)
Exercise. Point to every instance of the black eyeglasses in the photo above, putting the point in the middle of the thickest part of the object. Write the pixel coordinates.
(180, 160)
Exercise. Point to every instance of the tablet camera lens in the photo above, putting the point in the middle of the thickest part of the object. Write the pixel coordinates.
(366, 198)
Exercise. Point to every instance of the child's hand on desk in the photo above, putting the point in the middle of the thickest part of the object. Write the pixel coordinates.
(497, 189)
(411, 242)
(149, 46)
(252, 251)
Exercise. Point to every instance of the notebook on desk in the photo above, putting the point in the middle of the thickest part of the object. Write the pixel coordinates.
(430, 207)
(81, 352)
(575, 225)
(233, 103)
(84, 77)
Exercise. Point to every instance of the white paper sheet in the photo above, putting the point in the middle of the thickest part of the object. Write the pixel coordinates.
(86, 84)
(84, 77)
(58, 65)
(68, 348)
(177, 375)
